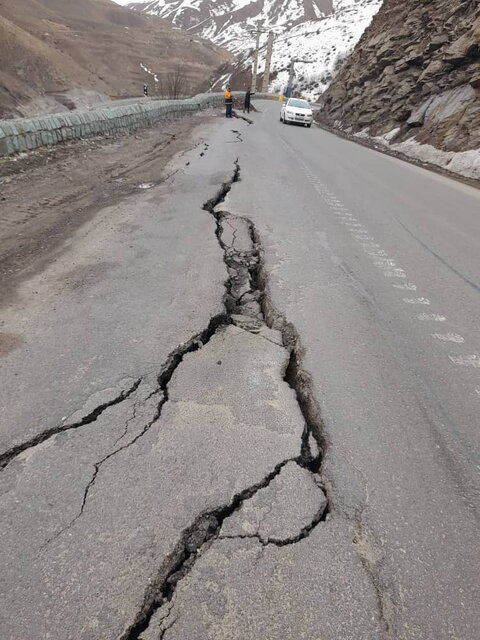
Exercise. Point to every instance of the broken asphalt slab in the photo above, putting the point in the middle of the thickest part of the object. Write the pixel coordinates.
(275, 515)
(205, 450)
(242, 590)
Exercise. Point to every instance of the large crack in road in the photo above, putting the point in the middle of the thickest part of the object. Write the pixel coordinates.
(249, 307)
(10, 454)
(293, 490)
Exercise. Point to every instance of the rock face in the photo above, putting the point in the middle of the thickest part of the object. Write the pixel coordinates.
(416, 73)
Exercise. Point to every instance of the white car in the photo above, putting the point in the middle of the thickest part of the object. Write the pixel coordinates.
(296, 111)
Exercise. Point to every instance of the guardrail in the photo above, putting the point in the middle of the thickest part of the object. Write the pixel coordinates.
(24, 134)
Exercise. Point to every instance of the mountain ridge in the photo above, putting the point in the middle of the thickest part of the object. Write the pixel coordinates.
(61, 54)
(322, 31)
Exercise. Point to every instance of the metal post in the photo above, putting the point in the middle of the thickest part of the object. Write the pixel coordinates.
(268, 63)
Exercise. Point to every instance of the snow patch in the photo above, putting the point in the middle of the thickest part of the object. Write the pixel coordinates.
(463, 163)
(149, 71)
(325, 41)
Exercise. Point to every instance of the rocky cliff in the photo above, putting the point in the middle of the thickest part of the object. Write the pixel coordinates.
(415, 73)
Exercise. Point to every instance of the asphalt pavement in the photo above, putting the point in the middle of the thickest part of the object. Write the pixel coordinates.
(244, 404)
(377, 264)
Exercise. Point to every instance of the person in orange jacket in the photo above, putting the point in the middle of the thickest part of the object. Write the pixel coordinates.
(228, 103)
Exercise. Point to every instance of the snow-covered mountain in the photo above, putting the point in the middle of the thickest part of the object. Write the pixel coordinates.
(322, 31)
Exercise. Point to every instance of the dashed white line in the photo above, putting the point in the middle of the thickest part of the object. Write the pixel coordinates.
(395, 273)
(385, 262)
(416, 301)
(431, 317)
(408, 286)
(389, 268)
(466, 361)
(449, 337)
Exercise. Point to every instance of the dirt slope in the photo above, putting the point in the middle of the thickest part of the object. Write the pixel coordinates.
(415, 72)
(75, 52)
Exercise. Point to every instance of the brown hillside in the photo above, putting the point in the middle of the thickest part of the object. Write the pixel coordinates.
(74, 52)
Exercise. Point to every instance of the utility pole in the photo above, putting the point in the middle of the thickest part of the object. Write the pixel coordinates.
(257, 53)
(268, 63)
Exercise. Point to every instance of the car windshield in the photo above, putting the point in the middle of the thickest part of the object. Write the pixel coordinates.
(303, 104)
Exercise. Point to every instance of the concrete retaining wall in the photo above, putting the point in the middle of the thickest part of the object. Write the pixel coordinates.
(23, 134)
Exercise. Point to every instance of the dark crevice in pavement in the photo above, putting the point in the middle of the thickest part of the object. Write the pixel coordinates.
(249, 307)
(168, 369)
(238, 136)
(197, 537)
(8, 456)
(127, 424)
(172, 362)
(247, 120)
(98, 465)
(239, 303)
(314, 440)
(320, 516)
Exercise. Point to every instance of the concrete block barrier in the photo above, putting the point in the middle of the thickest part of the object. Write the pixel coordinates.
(24, 134)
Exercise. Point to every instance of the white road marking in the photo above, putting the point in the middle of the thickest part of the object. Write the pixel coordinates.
(466, 361)
(388, 266)
(449, 337)
(416, 300)
(431, 317)
(409, 286)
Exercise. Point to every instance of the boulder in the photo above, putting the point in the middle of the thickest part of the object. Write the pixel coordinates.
(464, 48)
(417, 118)
(437, 42)
(400, 66)
(435, 68)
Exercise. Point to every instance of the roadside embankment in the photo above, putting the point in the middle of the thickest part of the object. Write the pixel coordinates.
(24, 134)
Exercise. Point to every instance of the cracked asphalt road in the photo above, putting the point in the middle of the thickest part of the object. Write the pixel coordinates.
(219, 424)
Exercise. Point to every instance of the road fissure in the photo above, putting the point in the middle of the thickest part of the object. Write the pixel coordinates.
(247, 306)
(13, 452)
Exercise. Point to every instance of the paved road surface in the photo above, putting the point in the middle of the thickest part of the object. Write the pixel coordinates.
(377, 264)
(297, 460)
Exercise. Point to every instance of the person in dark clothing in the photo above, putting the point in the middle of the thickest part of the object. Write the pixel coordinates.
(228, 103)
(145, 90)
(246, 103)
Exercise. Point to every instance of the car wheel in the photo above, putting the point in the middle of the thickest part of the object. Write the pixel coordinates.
(309, 125)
